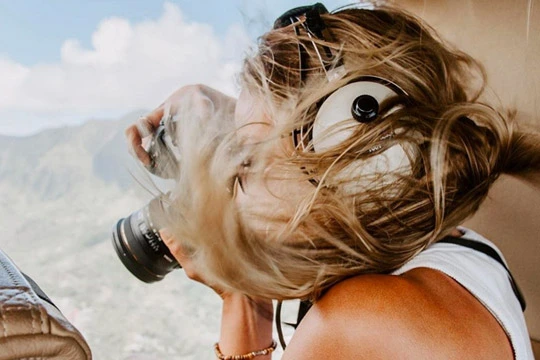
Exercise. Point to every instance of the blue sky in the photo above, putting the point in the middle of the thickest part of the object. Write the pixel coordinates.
(44, 25)
(65, 61)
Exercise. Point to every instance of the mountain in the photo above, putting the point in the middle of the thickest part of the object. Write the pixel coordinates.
(61, 192)
(54, 162)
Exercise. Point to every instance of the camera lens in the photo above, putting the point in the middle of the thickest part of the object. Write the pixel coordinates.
(140, 248)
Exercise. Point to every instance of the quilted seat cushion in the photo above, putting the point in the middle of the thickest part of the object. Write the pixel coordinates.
(31, 327)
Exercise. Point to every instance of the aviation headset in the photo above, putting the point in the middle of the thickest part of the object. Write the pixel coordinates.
(358, 100)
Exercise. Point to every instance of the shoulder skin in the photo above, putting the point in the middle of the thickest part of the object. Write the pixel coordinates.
(422, 314)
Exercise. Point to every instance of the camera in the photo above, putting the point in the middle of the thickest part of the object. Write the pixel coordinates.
(136, 238)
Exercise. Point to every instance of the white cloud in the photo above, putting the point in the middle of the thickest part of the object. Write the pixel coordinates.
(129, 66)
(12, 75)
(111, 43)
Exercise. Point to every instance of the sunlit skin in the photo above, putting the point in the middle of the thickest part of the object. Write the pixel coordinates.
(254, 192)
(422, 314)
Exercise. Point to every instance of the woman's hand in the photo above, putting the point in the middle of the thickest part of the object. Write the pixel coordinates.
(185, 260)
(203, 97)
(246, 323)
(262, 306)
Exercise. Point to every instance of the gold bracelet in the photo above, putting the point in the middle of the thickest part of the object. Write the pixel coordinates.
(247, 356)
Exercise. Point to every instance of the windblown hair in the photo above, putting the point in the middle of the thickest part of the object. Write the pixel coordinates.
(457, 145)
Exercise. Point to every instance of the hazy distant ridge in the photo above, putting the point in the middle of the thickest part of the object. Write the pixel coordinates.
(55, 162)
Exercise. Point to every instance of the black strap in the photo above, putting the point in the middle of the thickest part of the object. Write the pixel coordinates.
(278, 325)
(489, 251)
(302, 311)
(40, 293)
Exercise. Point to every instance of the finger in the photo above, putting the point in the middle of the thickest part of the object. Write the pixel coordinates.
(168, 239)
(181, 255)
(174, 246)
(145, 126)
(152, 119)
(133, 136)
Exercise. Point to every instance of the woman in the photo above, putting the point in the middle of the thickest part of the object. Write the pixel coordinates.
(359, 145)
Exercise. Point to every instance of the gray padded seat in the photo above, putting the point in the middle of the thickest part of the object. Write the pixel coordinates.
(31, 327)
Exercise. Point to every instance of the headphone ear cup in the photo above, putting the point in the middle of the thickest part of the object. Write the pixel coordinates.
(352, 105)
(365, 109)
(346, 108)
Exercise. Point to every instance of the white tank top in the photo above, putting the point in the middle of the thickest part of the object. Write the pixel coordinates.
(483, 277)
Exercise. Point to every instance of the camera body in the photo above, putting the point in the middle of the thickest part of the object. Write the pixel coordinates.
(163, 150)
(136, 238)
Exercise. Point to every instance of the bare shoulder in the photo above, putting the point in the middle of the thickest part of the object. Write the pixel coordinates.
(424, 314)
(355, 319)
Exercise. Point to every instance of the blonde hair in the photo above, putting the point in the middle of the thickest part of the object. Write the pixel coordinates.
(458, 147)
